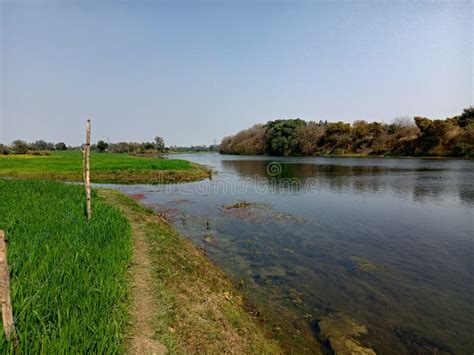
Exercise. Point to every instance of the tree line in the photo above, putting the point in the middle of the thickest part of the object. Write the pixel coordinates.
(21, 147)
(40, 146)
(405, 136)
(138, 148)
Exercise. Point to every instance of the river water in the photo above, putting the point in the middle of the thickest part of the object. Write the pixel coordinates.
(386, 243)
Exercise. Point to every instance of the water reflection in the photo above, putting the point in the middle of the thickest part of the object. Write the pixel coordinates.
(388, 242)
(421, 183)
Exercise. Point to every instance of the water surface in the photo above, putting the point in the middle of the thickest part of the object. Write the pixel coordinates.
(386, 242)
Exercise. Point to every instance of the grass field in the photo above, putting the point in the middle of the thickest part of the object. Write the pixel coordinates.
(105, 167)
(68, 274)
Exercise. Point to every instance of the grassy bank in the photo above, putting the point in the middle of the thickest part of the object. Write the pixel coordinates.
(192, 305)
(123, 281)
(105, 167)
(68, 275)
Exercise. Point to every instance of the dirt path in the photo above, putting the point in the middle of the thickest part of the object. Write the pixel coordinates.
(142, 308)
(179, 297)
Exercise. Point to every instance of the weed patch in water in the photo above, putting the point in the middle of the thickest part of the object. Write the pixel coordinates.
(342, 332)
(257, 212)
(361, 264)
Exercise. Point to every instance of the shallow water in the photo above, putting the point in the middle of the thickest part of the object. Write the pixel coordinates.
(387, 242)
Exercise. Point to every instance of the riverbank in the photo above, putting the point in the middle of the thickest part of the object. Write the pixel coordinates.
(180, 301)
(356, 155)
(105, 168)
(125, 281)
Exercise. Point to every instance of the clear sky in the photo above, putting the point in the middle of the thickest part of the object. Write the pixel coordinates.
(195, 71)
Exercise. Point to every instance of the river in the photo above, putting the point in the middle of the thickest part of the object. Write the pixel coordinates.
(387, 243)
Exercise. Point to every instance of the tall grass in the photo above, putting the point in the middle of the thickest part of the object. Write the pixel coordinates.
(68, 274)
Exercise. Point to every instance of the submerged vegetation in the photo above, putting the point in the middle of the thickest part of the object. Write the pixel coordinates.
(342, 332)
(420, 136)
(68, 274)
(105, 167)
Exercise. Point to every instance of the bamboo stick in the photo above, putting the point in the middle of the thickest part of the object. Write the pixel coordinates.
(87, 169)
(7, 313)
(83, 150)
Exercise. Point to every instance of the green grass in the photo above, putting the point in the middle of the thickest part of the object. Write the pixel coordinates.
(105, 167)
(68, 274)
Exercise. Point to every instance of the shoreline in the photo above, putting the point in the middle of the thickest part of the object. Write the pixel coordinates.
(191, 304)
(351, 156)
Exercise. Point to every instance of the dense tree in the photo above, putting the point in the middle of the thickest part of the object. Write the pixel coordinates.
(4, 149)
(467, 117)
(159, 143)
(39, 145)
(148, 146)
(465, 144)
(60, 146)
(432, 134)
(308, 137)
(404, 136)
(102, 146)
(336, 138)
(20, 147)
(281, 136)
(249, 141)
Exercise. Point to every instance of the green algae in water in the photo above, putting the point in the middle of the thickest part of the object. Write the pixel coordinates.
(342, 332)
(361, 264)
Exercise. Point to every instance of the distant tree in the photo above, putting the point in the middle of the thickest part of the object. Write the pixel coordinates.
(465, 145)
(405, 136)
(248, 141)
(361, 137)
(404, 121)
(281, 137)
(148, 146)
(4, 149)
(309, 136)
(467, 117)
(433, 134)
(121, 147)
(39, 145)
(20, 147)
(159, 143)
(337, 137)
(60, 146)
(101, 146)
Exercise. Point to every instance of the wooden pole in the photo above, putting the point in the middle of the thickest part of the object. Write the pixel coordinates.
(84, 164)
(87, 182)
(7, 313)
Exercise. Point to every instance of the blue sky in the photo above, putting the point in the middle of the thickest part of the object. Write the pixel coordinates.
(196, 71)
